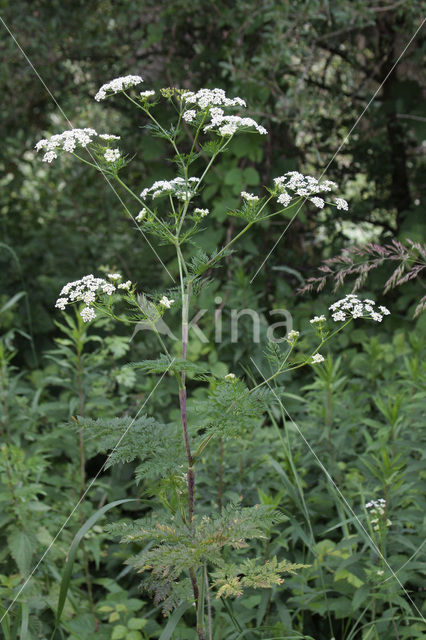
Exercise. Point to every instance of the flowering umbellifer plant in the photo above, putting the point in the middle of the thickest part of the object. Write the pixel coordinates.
(186, 557)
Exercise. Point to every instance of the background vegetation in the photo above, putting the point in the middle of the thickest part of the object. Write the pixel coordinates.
(308, 71)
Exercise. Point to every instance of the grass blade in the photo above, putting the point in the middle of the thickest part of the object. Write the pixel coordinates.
(173, 620)
(67, 573)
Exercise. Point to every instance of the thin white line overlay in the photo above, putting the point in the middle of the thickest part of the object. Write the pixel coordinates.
(88, 150)
(345, 139)
(81, 498)
(330, 479)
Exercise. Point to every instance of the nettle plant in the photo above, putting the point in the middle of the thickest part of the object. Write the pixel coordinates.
(189, 553)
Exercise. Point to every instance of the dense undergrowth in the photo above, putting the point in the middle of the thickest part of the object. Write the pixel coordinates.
(356, 417)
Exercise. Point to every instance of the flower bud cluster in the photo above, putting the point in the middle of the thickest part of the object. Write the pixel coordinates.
(86, 290)
(352, 306)
(177, 187)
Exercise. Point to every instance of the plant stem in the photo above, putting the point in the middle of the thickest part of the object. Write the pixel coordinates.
(199, 602)
(220, 486)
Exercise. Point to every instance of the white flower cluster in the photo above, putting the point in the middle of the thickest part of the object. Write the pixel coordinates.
(108, 136)
(201, 212)
(305, 187)
(292, 336)
(228, 125)
(117, 85)
(380, 503)
(250, 197)
(317, 358)
(231, 377)
(352, 306)
(85, 290)
(166, 302)
(189, 115)
(177, 187)
(141, 215)
(377, 508)
(111, 155)
(147, 94)
(68, 141)
(317, 319)
(206, 98)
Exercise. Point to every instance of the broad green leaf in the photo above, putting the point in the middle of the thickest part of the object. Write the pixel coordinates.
(21, 547)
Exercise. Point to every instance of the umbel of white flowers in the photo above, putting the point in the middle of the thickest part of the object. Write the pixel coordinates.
(87, 289)
(204, 104)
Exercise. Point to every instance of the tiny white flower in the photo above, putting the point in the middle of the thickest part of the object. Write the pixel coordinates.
(108, 136)
(316, 319)
(228, 129)
(165, 302)
(111, 155)
(341, 204)
(49, 156)
(61, 303)
(377, 317)
(318, 202)
(125, 285)
(141, 215)
(339, 316)
(189, 116)
(114, 276)
(292, 335)
(384, 310)
(201, 212)
(88, 297)
(146, 94)
(250, 197)
(87, 314)
(374, 504)
(358, 310)
(230, 377)
(284, 199)
(317, 358)
(108, 288)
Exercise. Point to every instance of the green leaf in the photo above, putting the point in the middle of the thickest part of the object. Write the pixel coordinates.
(235, 178)
(251, 176)
(125, 438)
(134, 635)
(21, 548)
(136, 623)
(13, 300)
(119, 632)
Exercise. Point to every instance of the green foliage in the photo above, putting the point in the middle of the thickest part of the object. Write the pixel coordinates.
(232, 579)
(306, 73)
(230, 409)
